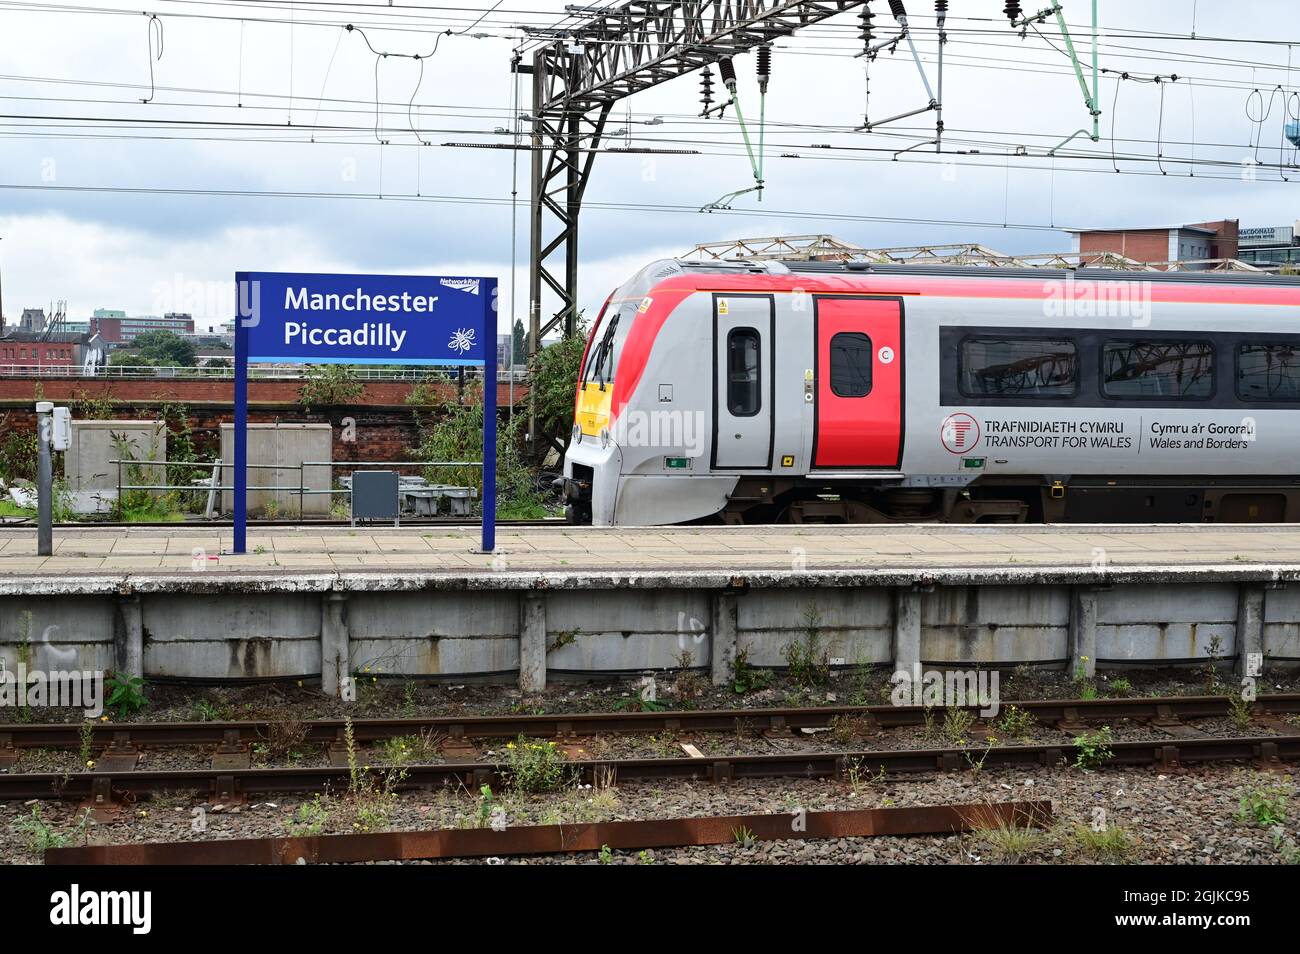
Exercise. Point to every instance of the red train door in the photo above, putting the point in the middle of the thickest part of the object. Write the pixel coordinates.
(859, 375)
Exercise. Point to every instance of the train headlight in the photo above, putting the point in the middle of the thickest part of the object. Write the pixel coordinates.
(604, 437)
(577, 433)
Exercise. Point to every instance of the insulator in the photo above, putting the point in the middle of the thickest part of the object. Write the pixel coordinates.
(728, 71)
(764, 66)
(896, 8)
(1012, 10)
(867, 34)
(706, 89)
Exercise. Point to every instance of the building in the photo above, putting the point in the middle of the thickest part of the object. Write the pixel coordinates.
(33, 320)
(116, 328)
(51, 349)
(1201, 241)
(1271, 245)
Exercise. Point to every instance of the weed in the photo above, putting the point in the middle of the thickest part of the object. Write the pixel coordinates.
(743, 837)
(86, 737)
(1121, 686)
(410, 749)
(1111, 844)
(310, 818)
(125, 694)
(534, 767)
(605, 856)
(957, 724)
(645, 857)
(1266, 807)
(373, 794)
(486, 801)
(846, 729)
(1010, 842)
(39, 835)
(1211, 670)
(1016, 723)
(1093, 748)
(853, 767)
(283, 737)
(1084, 685)
(1239, 710)
(746, 678)
(808, 663)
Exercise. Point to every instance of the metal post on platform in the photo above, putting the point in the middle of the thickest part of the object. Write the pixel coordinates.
(245, 315)
(490, 421)
(44, 479)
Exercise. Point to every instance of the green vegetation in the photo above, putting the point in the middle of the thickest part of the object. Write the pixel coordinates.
(162, 349)
(39, 835)
(1093, 748)
(1016, 723)
(310, 819)
(535, 767)
(745, 678)
(808, 663)
(1112, 845)
(18, 452)
(125, 694)
(329, 384)
(1266, 807)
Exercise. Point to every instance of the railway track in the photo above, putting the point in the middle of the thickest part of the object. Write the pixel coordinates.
(1062, 712)
(105, 788)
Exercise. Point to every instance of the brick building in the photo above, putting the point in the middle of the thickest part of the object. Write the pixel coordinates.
(116, 328)
(28, 349)
(1169, 243)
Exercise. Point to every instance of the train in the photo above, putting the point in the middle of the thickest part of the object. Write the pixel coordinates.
(828, 392)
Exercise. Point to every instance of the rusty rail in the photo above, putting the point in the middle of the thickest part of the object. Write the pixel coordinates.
(564, 839)
(324, 731)
(103, 787)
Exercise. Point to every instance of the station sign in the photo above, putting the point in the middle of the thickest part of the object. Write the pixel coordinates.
(315, 318)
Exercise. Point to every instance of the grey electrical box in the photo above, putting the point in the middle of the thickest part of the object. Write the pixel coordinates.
(374, 495)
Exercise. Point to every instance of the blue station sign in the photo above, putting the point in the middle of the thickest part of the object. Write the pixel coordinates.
(307, 318)
(311, 318)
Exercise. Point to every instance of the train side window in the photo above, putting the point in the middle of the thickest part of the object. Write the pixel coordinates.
(850, 364)
(1147, 370)
(1268, 372)
(1019, 367)
(744, 379)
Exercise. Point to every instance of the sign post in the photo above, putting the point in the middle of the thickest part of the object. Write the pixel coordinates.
(306, 318)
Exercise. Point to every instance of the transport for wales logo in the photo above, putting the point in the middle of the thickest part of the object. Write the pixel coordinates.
(960, 432)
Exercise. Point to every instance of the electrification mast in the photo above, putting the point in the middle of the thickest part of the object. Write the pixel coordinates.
(578, 75)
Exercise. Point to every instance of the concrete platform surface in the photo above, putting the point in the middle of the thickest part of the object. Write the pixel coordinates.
(643, 555)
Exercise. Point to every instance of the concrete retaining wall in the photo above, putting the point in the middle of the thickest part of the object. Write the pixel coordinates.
(509, 626)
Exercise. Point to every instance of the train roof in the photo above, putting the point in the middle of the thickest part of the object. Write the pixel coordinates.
(772, 266)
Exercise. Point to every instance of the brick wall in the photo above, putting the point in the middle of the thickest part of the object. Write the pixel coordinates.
(1148, 245)
(385, 428)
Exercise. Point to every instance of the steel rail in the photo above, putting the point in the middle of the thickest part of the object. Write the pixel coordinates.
(232, 784)
(67, 735)
(565, 839)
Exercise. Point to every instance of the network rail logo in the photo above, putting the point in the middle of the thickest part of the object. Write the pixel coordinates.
(469, 285)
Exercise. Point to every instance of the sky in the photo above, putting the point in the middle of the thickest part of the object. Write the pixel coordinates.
(152, 152)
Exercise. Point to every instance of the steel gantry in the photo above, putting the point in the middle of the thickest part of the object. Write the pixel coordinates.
(577, 76)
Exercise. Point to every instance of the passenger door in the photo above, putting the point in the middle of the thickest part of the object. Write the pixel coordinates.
(743, 367)
(859, 374)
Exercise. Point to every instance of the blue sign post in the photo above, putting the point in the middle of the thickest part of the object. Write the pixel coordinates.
(305, 318)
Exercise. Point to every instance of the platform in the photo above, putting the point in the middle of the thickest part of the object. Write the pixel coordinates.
(322, 603)
(127, 554)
